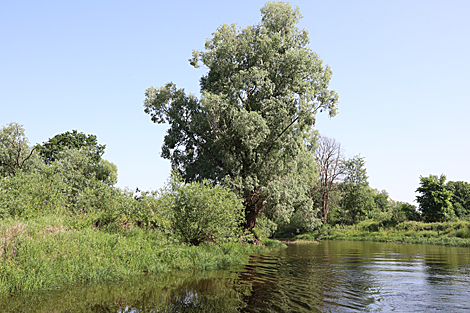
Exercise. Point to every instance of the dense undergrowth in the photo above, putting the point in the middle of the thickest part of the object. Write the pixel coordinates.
(55, 231)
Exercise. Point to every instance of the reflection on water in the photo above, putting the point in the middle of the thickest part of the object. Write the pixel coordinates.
(333, 276)
(214, 291)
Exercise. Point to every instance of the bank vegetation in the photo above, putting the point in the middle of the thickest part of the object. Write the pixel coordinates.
(248, 165)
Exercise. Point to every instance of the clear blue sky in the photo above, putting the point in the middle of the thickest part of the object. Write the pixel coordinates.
(400, 67)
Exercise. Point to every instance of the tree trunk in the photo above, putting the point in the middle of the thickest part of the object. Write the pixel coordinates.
(250, 219)
(254, 205)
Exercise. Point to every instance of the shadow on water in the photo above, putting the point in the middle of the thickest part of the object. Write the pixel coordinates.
(334, 276)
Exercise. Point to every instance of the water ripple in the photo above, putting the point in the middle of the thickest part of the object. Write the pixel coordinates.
(360, 277)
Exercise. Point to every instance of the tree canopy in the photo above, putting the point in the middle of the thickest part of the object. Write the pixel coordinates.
(460, 198)
(434, 199)
(50, 150)
(357, 197)
(75, 152)
(15, 152)
(260, 95)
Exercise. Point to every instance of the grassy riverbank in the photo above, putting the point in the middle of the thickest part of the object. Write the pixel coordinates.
(56, 231)
(445, 233)
(48, 252)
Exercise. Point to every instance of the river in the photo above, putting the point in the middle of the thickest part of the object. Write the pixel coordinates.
(332, 276)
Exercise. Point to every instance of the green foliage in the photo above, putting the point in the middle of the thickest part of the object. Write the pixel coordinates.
(381, 200)
(60, 187)
(106, 172)
(357, 198)
(28, 195)
(48, 240)
(46, 253)
(460, 198)
(15, 152)
(261, 93)
(75, 168)
(355, 171)
(382, 206)
(307, 236)
(50, 150)
(440, 233)
(200, 212)
(114, 210)
(63, 222)
(299, 223)
(410, 212)
(265, 227)
(289, 201)
(369, 225)
(80, 171)
(434, 199)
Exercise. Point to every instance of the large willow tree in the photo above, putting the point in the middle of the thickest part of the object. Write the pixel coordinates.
(261, 93)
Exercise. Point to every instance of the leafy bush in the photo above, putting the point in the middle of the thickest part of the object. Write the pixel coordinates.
(32, 194)
(113, 209)
(410, 211)
(265, 227)
(15, 152)
(199, 212)
(369, 225)
(308, 236)
(462, 233)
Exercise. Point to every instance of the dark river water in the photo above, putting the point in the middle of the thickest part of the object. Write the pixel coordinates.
(333, 276)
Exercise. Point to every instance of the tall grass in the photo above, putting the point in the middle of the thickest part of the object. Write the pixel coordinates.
(445, 233)
(46, 253)
(60, 227)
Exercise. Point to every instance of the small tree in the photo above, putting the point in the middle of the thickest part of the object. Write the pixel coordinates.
(410, 211)
(328, 157)
(460, 197)
(78, 153)
(15, 152)
(434, 199)
(383, 206)
(357, 197)
(77, 168)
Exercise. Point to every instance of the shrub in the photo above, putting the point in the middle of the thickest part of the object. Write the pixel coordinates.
(113, 209)
(200, 212)
(461, 233)
(32, 194)
(265, 227)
